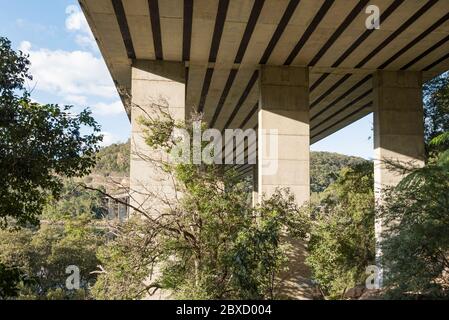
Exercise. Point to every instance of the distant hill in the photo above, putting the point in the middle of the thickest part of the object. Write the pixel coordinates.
(325, 166)
(112, 169)
(113, 161)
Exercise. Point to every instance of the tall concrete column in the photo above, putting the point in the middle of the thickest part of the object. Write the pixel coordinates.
(284, 135)
(398, 131)
(155, 84)
(283, 159)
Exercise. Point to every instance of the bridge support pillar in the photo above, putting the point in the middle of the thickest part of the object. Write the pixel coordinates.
(283, 156)
(284, 136)
(155, 85)
(398, 132)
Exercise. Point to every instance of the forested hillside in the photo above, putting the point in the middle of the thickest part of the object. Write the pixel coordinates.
(324, 166)
(113, 159)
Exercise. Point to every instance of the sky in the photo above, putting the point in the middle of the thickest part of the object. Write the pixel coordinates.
(68, 69)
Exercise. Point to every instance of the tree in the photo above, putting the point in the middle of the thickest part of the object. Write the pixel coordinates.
(325, 168)
(114, 159)
(10, 278)
(38, 143)
(74, 201)
(41, 256)
(436, 111)
(208, 244)
(342, 241)
(416, 244)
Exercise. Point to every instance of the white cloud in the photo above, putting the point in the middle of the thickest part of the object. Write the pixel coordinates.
(69, 74)
(114, 108)
(86, 42)
(109, 138)
(78, 77)
(76, 22)
(25, 46)
(76, 100)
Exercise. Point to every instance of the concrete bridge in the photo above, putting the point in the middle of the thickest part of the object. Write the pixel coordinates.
(307, 68)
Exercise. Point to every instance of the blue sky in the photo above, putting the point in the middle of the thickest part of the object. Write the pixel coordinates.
(68, 69)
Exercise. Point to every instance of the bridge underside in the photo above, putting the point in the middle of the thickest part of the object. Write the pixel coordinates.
(223, 43)
(306, 68)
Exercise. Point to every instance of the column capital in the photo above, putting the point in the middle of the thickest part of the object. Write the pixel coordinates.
(398, 79)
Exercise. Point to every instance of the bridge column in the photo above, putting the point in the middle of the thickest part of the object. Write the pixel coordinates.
(284, 136)
(398, 131)
(154, 84)
(283, 159)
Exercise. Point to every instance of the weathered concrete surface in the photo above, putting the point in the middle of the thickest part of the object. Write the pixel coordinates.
(398, 123)
(155, 85)
(284, 125)
(284, 121)
(398, 131)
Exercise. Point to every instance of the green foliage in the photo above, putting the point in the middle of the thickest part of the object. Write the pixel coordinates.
(74, 201)
(436, 107)
(210, 244)
(43, 255)
(258, 253)
(10, 277)
(342, 241)
(113, 159)
(126, 263)
(441, 140)
(229, 255)
(436, 117)
(38, 144)
(325, 166)
(440, 144)
(416, 248)
(416, 243)
(13, 70)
